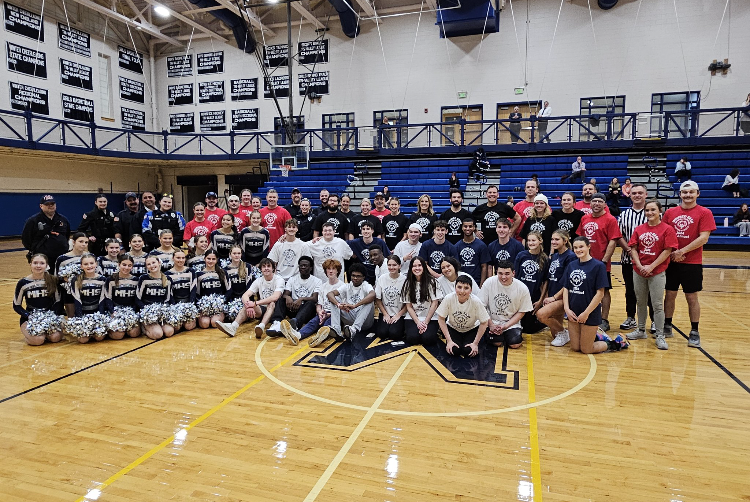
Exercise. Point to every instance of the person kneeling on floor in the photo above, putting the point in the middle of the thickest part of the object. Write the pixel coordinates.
(354, 311)
(462, 319)
(507, 300)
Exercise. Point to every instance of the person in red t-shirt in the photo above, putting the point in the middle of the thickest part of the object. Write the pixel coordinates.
(198, 226)
(693, 224)
(246, 204)
(602, 231)
(650, 246)
(240, 221)
(214, 212)
(525, 207)
(584, 204)
(380, 210)
(274, 217)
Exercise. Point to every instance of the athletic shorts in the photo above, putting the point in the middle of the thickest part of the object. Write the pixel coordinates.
(609, 280)
(510, 336)
(687, 275)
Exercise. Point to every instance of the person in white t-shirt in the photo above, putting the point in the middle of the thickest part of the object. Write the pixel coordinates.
(409, 248)
(507, 300)
(463, 320)
(320, 323)
(268, 287)
(389, 302)
(353, 311)
(377, 259)
(329, 247)
(298, 301)
(288, 250)
(421, 295)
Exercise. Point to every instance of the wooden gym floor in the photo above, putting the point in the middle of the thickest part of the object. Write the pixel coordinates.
(205, 417)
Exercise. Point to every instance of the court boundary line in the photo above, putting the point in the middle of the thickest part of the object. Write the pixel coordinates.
(19, 394)
(716, 362)
(95, 493)
(337, 459)
(536, 466)
(50, 348)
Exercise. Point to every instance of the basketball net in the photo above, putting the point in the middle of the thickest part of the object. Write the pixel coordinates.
(285, 168)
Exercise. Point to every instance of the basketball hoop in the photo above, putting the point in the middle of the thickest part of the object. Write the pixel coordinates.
(285, 168)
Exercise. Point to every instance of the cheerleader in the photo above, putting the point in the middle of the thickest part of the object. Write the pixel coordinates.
(165, 251)
(119, 291)
(552, 311)
(224, 237)
(421, 296)
(183, 285)
(88, 294)
(109, 263)
(531, 269)
(138, 255)
(211, 281)
(389, 302)
(66, 261)
(237, 276)
(154, 287)
(254, 240)
(196, 259)
(40, 292)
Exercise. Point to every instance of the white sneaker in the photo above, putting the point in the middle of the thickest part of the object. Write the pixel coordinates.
(320, 336)
(290, 334)
(274, 330)
(227, 327)
(259, 329)
(561, 339)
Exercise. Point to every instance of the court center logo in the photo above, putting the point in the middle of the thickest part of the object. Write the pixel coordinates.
(577, 277)
(590, 229)
(682, 224)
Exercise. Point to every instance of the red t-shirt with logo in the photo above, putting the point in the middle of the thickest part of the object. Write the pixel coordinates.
(196, 229)
(273, 220)
(524, 208)
(599, 231)
(245, 212)
(651, 241)
(584, 206)
(688, 224)
(380, 214)
(240, 221)
(215, 216)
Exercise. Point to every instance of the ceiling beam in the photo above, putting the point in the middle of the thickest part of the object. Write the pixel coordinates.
(145, 27)
(307, 15)
(137, 12)
(189, 21)
(254, 20)
(204, 9)
(367, 8)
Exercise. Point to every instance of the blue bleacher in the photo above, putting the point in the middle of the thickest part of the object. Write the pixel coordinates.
(332, 176)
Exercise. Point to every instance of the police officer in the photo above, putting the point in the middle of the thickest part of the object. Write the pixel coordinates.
(99, 225)
(47, 232)
(125, 218)
(163, 218)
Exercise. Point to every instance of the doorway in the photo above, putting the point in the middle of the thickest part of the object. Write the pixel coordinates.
(450, 116)
(526, 108)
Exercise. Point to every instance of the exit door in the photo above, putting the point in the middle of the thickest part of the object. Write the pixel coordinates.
(452, 128)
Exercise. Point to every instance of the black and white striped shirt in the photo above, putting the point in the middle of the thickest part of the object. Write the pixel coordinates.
(628, 221)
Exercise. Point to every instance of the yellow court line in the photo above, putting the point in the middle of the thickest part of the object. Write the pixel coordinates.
(536, 469)
(362, 424)
(96, 492)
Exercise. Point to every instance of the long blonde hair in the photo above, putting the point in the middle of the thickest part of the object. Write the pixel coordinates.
(241, 268)
(50, 281)
(430, 211)
(565, 236)
(164, 280)
(542, 257)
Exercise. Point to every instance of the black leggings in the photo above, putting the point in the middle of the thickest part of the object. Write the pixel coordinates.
(462, 340)
(414, 337)
(387, 331)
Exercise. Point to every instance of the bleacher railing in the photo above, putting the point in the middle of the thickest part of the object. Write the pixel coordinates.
(25, 129)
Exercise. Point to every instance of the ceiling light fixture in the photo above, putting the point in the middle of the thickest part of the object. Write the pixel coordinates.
(161, 11)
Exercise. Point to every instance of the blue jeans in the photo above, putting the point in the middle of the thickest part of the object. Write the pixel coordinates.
(312, 326)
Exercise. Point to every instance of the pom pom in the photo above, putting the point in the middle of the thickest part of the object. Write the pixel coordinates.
(173, 314)
(153, 314)
(254, 273)
(211, 305)
(233, 308)
(96, 324)
(225, 262)
(123, 319)
(43, 322)
(75, 326)
(189, 312)
(68, 274)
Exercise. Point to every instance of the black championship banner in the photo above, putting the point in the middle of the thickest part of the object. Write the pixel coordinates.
(130, 60)
(72, 40)
(23, 22)
(280, 85)
(132, 90)
(180, 66)
(25, 97)
(180, 94)
(314, 51)
(181, 122)
(76, 75)
(213, 120)
(245, 119)
(27, 61)
(275, 55)
(210, 62)
(244, 89)
(316, 82)
(75, 108)
(211, 92)
(133, 119)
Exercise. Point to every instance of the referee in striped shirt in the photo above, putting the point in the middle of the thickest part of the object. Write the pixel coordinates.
(628, 221)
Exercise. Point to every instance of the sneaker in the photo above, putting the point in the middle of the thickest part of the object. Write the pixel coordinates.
(661, 343)
(561, 339)
(274, 330)
(629, 323)
(694, 339)
(227, 327)
(636, 335)
(293, 324)
(604, 326)
(653, 327)
(290, 333)
(624, 344)
(321, 336)
(601, 336)
(347, 332)
(259, 329)
(668, 331)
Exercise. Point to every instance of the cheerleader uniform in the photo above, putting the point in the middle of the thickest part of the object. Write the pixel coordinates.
(196, 263)
(89, 297)
(236, 286)
(183, 286)
(150, 290)
(139, 264)
(119, 294)
(209, 283)
(222, 243)
(255, 245)
(62, 262)
(107, 267)
(165, 257)
(35, 293)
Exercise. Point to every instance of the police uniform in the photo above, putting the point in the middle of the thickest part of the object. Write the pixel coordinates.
(101, 225)
(46, 235)
(157, 220)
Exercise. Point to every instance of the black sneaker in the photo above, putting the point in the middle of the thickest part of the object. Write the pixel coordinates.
(346, 332)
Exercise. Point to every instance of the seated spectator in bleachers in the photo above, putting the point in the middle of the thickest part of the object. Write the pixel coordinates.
(578, 170)
(626, 187)
(741, 220)
(454, 182)
(613, 197)
(592, 181)
(683, 170)
(732, 183)
(478, 164)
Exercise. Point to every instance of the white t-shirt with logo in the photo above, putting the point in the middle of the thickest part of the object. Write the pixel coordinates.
(462, 316)
(336, 249)
(264, 288)
(302, 288)
(448, 287)
(323, 290)
(351, 294)
(503, 302)
(286, 256)
(403, 248)
(422, 307)
(388, 290)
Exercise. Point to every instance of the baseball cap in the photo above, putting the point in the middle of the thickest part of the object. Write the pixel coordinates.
(416, 227)
(541, 197)
(379, 194)
(599, 195)
(687, 185)
(47, 199)
(131, 194)
(211, 194)
(295, 189)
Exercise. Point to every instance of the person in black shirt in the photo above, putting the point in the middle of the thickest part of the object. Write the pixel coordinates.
(486, 216)
(124, 219)
(355, 225)
(99, 225)
(395, 224)
(454, 216)
(323, 207)
(540, 221)
(46, 232)
(568, 218)
(424, 216)
(162, 219)
(332, 215)
(294, 208)
(305, 221)
(515, 125)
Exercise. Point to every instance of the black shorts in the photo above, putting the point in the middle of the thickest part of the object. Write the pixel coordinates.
(609, 280)
(510, 336)
(687, 275)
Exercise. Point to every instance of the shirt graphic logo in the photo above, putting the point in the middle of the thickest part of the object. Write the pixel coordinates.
(454, 224)
(467, 255)
(423, 223)
(577, 277)
(649, 239)
(553, 267)
(502, 255)
(566, 225)
(682, 224)
(366, 257)
(590, 229)
(537, 226)
(287, 257)
(213, 218)
(391, 226)
(391, 296)
(527, 211)
(329, 252)
(461, 319)
(436, 257)
(270, 220)
(334, 222)
(491, 218)
(502, 302)
(530, 267)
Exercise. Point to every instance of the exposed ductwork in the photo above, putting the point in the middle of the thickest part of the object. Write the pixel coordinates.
(347, 15)
(245, 38)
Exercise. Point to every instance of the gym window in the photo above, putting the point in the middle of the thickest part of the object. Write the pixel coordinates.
(675, 101)
(595, 107)
(338, 140)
